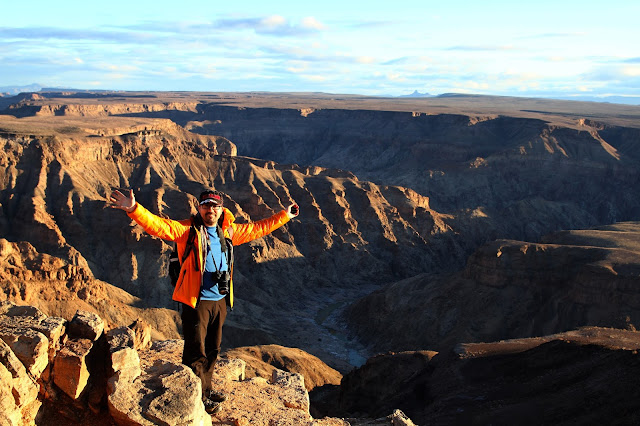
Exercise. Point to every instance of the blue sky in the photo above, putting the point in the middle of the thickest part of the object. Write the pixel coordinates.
(529, 48)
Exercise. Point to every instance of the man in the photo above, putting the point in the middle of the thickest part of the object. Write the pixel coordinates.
(204, 286)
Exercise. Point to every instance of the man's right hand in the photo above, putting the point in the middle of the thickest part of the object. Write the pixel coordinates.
(123, 202)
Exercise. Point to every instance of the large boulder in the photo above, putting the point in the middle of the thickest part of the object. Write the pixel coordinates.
(19, 392)
(31, 347)
(263, 360)
(86, 325)
(294, 393)
(164, 394)
(125, 362)
(9, 412)
(70, 369)
(33, 336)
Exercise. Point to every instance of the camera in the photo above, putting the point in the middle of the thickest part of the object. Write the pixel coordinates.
(222, 278)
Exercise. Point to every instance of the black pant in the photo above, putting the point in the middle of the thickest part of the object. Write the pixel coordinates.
(202, 329)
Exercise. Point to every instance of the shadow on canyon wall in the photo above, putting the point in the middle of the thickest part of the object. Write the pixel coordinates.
(586, 376)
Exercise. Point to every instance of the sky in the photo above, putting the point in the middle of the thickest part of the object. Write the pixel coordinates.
(559, 48)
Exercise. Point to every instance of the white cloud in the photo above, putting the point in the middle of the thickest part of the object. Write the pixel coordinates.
(611, 73)
(482, 48)
(117, 76)
(523, 76)
(298, 70)
(307, 48)
(312, 23)
(315, 78)
(274, 25)
(365, 60)
(631, 70)
(397, 77)
(273, 22)
(66, 61)
(473, 85)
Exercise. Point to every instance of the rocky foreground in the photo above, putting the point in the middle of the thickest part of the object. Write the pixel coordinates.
(77, 372)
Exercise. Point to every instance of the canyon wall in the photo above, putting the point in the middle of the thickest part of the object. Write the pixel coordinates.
(418, 230)
(389, 198)
(460, 161)
(511, 289)
(352, 235)
(585, 376)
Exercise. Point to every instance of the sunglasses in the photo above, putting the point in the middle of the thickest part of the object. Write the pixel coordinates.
(209, 206)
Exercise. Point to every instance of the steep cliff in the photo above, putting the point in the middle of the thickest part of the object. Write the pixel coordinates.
(58, 287)
(459, 161)
(584, 376)
(352, 235)
(527, 166)
(512, 289)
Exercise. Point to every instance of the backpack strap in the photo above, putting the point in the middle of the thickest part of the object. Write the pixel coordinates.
(229, 245)
(229, 250)
(189, 247)
(221, 237)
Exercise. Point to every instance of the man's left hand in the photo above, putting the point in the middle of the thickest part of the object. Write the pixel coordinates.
(293, 210)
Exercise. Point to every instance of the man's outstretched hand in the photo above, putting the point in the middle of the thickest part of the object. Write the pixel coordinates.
(123, 202)
(293, 210)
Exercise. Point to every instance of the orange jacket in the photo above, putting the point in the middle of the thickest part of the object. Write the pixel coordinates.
(188, 286)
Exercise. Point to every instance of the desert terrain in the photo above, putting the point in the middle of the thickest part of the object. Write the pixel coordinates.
(426, 223)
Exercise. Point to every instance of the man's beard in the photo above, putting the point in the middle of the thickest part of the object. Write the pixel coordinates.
(209, 219)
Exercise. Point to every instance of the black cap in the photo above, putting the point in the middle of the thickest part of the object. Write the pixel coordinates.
(214, 197)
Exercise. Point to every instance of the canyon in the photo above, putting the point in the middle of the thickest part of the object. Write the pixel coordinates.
(425, 223)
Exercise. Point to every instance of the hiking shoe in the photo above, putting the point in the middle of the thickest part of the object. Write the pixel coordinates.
(211, 407)
(215, 396)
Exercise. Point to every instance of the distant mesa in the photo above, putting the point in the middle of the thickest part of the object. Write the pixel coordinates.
(14, 90)
(416, 94)
(459, 95)
(8, 91)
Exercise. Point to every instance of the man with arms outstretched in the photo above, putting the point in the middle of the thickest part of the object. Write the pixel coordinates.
(205, 285)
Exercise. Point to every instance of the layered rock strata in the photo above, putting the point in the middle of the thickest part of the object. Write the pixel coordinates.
(495, 176)
(352, 236)
(584, 376)
(512, 289)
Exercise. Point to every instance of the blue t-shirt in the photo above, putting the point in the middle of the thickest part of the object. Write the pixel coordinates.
(216, 261)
